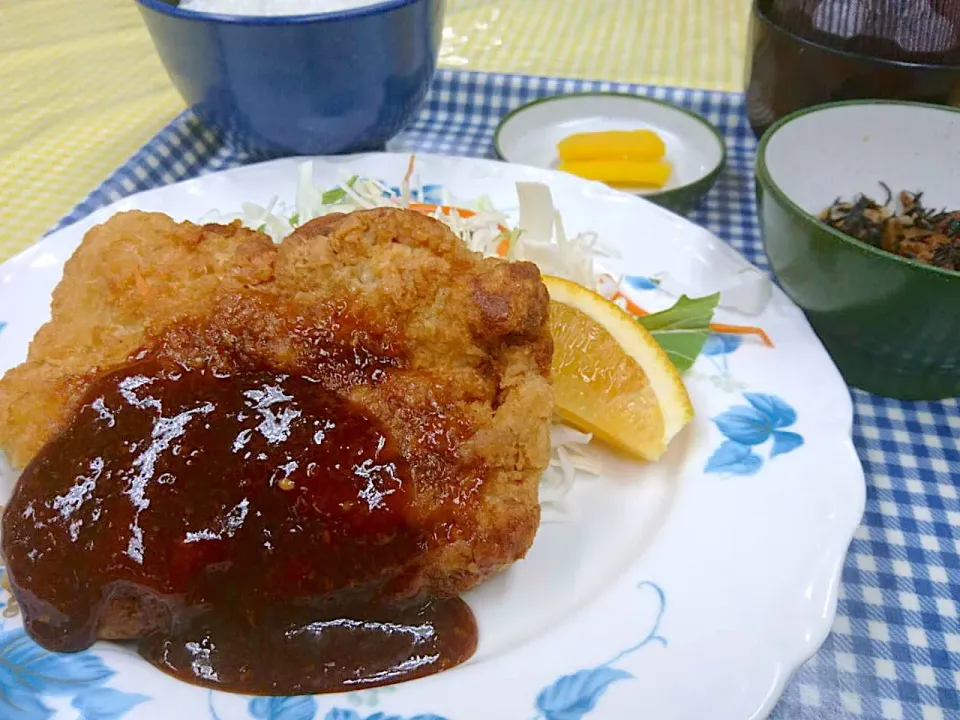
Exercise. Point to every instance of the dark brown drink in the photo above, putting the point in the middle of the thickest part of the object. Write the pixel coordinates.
(799, 59)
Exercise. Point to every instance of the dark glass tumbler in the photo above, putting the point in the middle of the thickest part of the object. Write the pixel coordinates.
(801, 56)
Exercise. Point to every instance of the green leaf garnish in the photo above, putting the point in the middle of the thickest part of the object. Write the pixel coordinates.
(295, 219)
(262, 228)
(683, 329)
(332, 197)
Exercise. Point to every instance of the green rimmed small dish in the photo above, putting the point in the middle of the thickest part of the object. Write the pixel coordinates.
(697, 151)
(891, 324)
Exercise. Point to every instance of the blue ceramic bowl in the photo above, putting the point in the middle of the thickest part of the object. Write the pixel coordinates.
(311, 84)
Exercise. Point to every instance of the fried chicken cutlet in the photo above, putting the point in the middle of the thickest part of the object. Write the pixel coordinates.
(445, 354)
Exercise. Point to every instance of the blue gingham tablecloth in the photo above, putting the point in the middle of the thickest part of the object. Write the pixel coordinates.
(895, 647)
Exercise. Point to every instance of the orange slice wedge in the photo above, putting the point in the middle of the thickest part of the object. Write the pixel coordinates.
(610, 376)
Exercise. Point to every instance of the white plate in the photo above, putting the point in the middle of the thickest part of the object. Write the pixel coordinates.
(529, 135)
(691, 588)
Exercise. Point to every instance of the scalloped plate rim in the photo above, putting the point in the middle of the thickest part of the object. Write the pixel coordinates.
(837, 429)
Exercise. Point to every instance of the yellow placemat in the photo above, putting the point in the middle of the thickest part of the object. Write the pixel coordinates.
(81, 88)
(688, 43)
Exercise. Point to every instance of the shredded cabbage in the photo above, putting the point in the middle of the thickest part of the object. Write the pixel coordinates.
(541, 237)
(544, 241)
(570, 457)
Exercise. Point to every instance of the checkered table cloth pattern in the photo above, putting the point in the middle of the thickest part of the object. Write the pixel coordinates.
(895, 647)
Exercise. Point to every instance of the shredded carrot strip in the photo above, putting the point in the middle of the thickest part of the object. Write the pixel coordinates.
(504, 247)
(632, 307)
(742, 330)
(428, 209)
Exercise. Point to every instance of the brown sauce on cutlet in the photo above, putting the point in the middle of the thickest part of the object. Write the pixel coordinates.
(265, 516)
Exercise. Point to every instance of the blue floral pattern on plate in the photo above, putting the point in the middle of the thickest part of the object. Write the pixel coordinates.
(338, 714)
(573, 696)
(641, 282)
(716, 352)
(30, 675)
(721, 345)
(747, 427)
(305, 708)
(432, 194)
(302, 707)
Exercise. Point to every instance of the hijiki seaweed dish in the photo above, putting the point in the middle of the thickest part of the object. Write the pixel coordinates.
(910, 230)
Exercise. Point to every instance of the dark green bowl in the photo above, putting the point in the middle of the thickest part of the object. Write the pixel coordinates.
(891, 324)
(685, 199)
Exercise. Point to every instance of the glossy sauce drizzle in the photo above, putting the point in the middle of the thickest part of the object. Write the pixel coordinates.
(246, 526)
